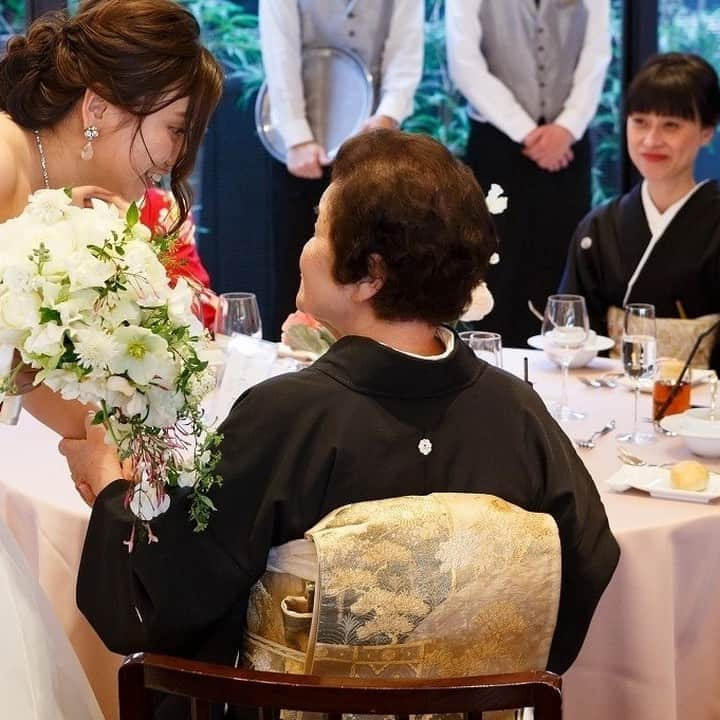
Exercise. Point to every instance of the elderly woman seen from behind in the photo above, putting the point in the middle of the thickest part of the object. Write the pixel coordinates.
(397, 407)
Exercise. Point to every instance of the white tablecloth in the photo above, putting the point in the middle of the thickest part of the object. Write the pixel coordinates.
(652, 650)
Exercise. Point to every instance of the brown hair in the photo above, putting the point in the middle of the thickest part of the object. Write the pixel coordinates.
(407, 199)
(140, 55)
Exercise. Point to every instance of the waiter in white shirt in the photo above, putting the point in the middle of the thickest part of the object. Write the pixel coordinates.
(532, 72)
(388, 36)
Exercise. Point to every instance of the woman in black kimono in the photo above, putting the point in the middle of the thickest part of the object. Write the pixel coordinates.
(659, 243)
(398, 406)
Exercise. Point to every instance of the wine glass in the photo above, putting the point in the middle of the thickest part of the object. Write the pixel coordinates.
(486, 345)
(238, 314)
(565, 331)
(639, 352)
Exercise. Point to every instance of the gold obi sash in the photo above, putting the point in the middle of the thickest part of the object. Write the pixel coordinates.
(675, 336)
(443, 585)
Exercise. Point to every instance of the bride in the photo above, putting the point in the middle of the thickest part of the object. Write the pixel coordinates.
(88, 105)
(85, 103)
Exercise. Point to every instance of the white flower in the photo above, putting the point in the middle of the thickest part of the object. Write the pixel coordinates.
(141, 232)
(48, 206)
(146, 275)
(141, 354)
(120, 311)
(19, 276)
(46, 339)
(145, 503)
(187, 478)
(496, 202)
(86, 271)
(94, 347)
(481, 304)
(18, 312)
(163, 406)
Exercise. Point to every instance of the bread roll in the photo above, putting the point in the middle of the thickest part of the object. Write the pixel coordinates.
(689, 475)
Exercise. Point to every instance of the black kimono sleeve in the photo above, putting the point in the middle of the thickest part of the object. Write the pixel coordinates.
(590, 552)
(583, 273)
(190, 589)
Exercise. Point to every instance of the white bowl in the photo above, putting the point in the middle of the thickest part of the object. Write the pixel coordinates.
(593, 345)
(698, 431)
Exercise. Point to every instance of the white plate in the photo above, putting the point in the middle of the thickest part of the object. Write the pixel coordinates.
(698, 376)
(601, 343)
(656, 481)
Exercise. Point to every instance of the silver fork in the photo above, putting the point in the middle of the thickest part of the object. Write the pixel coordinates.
(589, 444)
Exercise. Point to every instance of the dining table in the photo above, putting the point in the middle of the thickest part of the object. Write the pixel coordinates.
(652, 651)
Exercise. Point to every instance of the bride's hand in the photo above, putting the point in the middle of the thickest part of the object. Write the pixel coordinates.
(93, 463)
(83, 195)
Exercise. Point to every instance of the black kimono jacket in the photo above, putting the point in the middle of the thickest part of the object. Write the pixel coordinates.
(684, 264)
(344, 430)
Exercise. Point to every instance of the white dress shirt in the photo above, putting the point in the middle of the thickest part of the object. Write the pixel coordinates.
(492, 101)
(281, 46)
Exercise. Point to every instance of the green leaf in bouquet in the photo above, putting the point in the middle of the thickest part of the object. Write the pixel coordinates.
(132, 217)
(48, 315)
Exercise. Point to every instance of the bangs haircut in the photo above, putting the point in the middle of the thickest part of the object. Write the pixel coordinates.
(676, 84)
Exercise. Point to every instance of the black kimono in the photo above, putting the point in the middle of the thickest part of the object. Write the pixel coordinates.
(683, 266)
(344, 430)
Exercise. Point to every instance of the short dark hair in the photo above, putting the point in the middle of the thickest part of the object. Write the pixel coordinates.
(407, 199)
(678, 84)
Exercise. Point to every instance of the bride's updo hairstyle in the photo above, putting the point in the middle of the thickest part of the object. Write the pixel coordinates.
(140, 55)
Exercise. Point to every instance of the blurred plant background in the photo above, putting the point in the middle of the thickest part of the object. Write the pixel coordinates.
(12, 16)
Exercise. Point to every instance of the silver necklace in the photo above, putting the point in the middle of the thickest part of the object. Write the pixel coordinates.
(43, 159)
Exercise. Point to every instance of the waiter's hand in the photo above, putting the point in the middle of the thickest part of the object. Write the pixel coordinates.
(549, 147)
(376, 122)
(83, 194)
(307, 160)
(93, 463)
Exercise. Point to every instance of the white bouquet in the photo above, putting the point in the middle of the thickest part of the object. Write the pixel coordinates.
(85, 300)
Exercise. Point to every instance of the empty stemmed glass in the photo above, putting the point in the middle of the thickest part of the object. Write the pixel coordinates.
(639, 353)
(238, 314)
(565, 330)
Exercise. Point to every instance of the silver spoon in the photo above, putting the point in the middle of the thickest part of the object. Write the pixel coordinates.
(589, 444)
(590, 382)
(629, 459)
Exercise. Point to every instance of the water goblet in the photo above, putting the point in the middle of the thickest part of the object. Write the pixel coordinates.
(565, 330)
(639, 353)
(486, 345)
(238, 314)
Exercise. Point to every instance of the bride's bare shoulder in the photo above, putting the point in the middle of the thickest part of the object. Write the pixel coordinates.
(13, 178)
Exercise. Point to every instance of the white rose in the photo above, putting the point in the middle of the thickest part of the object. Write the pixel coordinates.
(19, 310)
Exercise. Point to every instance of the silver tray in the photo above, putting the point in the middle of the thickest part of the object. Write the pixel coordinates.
(339, 98)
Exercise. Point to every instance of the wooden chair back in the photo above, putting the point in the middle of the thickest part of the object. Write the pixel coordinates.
(207, 684)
